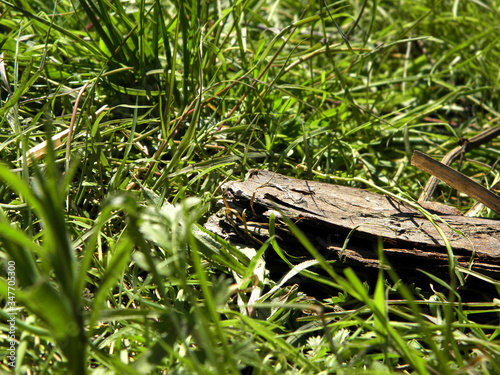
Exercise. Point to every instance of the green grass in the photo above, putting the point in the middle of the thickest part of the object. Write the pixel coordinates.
(167, 100)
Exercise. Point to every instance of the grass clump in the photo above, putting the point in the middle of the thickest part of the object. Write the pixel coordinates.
(153, 105)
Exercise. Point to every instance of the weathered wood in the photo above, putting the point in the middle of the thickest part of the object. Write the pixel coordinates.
(328, 213)
(459, 151)
(456, 180)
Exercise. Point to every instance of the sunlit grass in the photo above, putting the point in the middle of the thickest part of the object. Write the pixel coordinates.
(113, 269)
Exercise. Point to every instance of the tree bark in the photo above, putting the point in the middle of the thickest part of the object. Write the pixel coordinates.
(328, 213)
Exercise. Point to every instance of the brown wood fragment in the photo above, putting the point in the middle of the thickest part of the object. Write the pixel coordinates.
(456, 180)
(327, 213)
(478, 206)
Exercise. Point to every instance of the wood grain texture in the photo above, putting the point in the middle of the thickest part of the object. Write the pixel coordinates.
(327, 213)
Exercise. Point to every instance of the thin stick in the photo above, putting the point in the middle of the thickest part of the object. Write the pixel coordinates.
(456, 180)
(72, 124)
(467, 144)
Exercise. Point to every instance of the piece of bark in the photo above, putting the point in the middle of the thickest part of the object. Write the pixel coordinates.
(327, 213)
